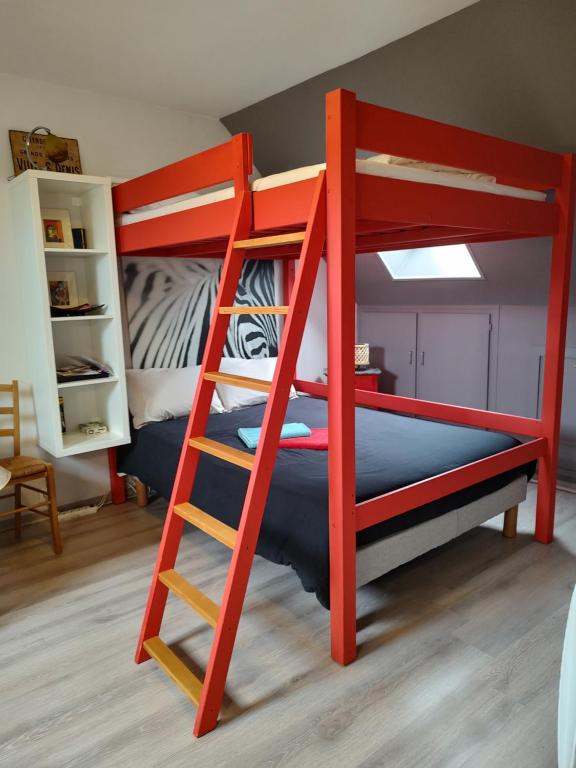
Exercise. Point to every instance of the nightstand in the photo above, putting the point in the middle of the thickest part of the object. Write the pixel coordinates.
(368, 379)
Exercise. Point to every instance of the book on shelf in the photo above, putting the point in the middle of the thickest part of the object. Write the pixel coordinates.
(81, 368)
(62, 416)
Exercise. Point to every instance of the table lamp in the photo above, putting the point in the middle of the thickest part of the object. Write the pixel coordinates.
(361, 356)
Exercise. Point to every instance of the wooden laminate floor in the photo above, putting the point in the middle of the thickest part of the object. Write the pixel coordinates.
(459, 656)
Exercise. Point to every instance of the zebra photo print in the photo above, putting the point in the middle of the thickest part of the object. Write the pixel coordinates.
(169, 306)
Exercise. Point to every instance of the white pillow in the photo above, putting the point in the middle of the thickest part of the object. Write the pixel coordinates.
(255, 368)
(158, 394)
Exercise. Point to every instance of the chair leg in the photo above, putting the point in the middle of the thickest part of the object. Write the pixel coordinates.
(18, 515)
(54, 521)
(510, 522)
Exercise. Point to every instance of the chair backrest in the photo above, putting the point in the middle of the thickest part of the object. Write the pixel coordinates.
(14, 411)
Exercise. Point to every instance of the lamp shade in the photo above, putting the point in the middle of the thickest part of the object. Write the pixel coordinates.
(361, 355)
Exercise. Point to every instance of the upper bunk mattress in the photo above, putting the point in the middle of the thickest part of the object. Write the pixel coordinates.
(368, 167)
(391, 452)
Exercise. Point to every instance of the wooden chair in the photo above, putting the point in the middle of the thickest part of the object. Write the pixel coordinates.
(23, 470)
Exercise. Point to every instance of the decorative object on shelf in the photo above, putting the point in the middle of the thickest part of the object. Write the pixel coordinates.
(45, 152)
(62, 417)
(93, 428)
(361, 356)
(78, 311)
(81, 368)
(57, 228)
(62, 289)
(79, 237)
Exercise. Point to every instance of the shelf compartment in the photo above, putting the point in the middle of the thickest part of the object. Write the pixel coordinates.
(93, 400)
(95, 276)
(78, 442)
(88, 338)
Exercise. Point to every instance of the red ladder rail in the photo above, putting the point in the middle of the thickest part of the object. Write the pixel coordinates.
(186, 472)
(259, 483)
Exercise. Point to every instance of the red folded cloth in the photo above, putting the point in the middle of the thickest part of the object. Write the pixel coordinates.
(317, 441)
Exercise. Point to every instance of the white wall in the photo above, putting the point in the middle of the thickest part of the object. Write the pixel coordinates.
(313, 358)
(118, 138)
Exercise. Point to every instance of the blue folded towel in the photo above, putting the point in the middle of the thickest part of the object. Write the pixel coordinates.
(251, 435)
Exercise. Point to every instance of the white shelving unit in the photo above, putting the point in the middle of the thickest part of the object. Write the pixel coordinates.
(51, 339)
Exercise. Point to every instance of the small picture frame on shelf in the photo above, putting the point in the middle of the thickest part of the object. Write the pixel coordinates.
(62, 289)
(57, 228)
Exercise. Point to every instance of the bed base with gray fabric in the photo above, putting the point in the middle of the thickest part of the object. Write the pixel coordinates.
(381, 557)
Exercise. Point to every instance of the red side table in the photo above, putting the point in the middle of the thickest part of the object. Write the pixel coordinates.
(368, 379)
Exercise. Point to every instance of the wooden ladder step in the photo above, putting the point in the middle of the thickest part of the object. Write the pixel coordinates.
(196, 599)
(222, 451)
(243, 310)
(287, 238)
(239, 381)
(210, 525)
(174, 668)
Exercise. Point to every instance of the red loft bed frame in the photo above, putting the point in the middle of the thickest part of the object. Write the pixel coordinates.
(365, 214)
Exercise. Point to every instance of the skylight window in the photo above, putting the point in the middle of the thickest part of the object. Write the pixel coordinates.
(444, 262)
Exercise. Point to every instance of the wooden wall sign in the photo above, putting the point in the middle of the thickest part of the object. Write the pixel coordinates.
(50, 153)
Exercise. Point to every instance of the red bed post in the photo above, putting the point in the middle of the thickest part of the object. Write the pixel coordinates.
(555, 352)
(288, 278)
(341, 266)
(117, 483)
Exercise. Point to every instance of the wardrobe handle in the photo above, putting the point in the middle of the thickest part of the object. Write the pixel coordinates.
(422, 358)
(411, 358)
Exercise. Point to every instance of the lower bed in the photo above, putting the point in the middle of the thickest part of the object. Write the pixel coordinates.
(392, 451)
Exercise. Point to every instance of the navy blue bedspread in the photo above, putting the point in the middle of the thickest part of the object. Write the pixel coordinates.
(391, 451)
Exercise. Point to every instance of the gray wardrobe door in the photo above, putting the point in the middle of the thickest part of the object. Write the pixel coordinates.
(453, 353)
(392, 339)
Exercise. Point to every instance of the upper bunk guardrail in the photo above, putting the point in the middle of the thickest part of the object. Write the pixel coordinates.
(231, 161)
(384, 130)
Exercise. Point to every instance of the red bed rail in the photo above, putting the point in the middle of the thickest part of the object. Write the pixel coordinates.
(379, 129)
(454, 414)
(231, 161)
(397, 502)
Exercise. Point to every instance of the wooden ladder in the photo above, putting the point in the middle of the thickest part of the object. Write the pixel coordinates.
(207, 694)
